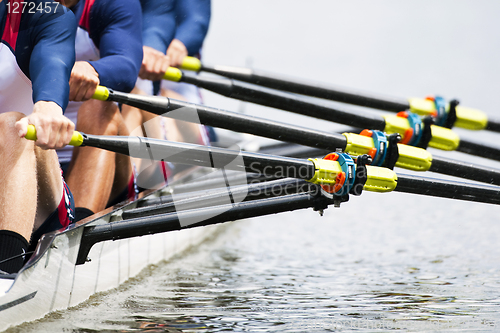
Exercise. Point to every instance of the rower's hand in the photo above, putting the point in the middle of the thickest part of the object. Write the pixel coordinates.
(83, 82)
(154, 64)
(177, 51)
(53, 130)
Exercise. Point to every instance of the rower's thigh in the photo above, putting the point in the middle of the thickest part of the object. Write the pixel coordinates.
(133, 116)
(50, 183)
(17, 178)
(98, 117)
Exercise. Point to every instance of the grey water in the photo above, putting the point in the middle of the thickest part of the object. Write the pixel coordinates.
(380, 262)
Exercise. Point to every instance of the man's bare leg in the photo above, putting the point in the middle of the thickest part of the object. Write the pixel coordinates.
(134, 119)
(18, 197)
(31, 184)
(149, 175)
(91, 172)
(50, 186)
(178, 130)
(123, 166)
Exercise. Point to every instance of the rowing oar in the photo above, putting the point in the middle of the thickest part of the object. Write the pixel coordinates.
(383, 152)
(436, 106)
(158, 223)
(409, 125)
(219, 196)
(337, 173)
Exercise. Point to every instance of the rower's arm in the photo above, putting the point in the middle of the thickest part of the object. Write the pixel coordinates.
(119, 41)
(158, 23)
(53, 55)
(193, 18)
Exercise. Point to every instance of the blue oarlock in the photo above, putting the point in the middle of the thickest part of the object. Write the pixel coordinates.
(442, 114)
(380, 142)
(349, 168)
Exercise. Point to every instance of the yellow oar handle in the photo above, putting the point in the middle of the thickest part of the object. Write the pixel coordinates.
(378, 179)
(191, 64)
(442, 138)
(101, 93)
(76, 139)
(173, 74)
(468, 118)
(412, 158)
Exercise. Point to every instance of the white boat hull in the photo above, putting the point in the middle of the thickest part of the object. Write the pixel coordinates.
(55, 282)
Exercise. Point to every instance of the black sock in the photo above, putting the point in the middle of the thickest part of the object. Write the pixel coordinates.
(81, 213)
(12, 244)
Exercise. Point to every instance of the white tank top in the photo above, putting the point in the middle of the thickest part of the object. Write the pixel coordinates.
(15, 87)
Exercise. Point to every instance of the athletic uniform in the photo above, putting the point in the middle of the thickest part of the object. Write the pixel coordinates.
(193, 18)
(36, 58)
(109, 38)
(185, 20)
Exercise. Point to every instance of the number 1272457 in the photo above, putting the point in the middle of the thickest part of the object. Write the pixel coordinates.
(32, 7)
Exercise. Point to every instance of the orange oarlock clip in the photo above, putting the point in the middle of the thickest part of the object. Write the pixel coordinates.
(434, 113)
(409, 132)
(407, 137)
(402, 114)
(366, 132)
(339, 181)
(331, 157)
(373, 153)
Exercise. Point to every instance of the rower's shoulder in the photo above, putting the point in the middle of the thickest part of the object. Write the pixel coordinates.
(116, 6)
(40, 13)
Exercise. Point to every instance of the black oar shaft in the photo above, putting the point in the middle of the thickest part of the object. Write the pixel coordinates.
(233, 121)
(465, 170)
(212, 181)
(205, 216)
(310, 89)
(248, 209)
(303, 136)
(493, 126)
(219, 196)
(211, 157)
(278, 100)
(479, 149)
(261, 127)
(448, 189)
(329, 92)
(283, 101)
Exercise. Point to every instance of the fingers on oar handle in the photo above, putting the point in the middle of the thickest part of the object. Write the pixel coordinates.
(76, 139)
(191, 64)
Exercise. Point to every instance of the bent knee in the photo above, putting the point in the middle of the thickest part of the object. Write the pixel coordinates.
(9, 137)
(98, 117)
(8, 120)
